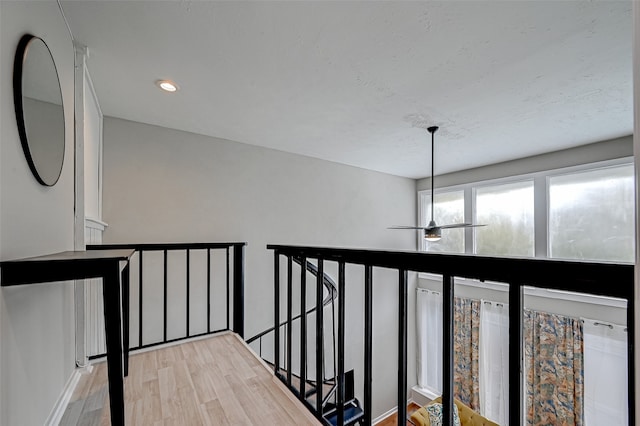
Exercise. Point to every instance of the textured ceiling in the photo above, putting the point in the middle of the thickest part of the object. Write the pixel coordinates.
(357, 82)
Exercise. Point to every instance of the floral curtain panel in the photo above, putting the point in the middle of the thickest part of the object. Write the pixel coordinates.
(466, 328)
(554, 360)
(554, 369)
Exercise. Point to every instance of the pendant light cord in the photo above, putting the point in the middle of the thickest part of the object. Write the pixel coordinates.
(432, 194)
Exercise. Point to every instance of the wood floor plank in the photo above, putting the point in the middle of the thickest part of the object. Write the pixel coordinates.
(214, 413)
(190, 413)
(169, 402)
(201, 382)
(166, 357)
(150, 363)
(151, 404)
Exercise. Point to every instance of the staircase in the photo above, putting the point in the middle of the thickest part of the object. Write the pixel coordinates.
(307, 389)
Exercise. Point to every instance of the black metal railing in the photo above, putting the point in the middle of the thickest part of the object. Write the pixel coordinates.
(603, 279)
(232, 277)
(330, 291)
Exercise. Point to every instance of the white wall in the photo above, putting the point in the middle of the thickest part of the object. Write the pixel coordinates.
(162, 185)
(36, 322)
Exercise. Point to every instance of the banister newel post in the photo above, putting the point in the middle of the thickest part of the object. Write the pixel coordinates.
(238, 289)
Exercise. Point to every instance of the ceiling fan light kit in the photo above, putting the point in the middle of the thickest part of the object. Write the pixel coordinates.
(433, 232)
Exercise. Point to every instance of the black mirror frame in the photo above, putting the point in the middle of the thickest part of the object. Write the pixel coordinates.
(17, 101)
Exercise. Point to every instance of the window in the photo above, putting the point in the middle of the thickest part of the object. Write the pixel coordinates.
(448, 208)
(591, 214)
(507, 210)
(584, 213)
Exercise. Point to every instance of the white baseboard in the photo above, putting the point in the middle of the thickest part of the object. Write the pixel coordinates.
(388, 413)
(63, 400)
(385, 415)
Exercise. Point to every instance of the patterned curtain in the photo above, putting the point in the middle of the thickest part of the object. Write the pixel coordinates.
(466, 327)
(554, 369)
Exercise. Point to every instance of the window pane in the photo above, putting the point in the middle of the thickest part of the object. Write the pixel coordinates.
(448, 209)
(591, 215)
(507, 210)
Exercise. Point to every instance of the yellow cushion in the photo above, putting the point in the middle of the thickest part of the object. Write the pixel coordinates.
(468, 417)
(420, 417)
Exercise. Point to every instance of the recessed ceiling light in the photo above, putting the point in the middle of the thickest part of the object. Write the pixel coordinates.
(167, 85)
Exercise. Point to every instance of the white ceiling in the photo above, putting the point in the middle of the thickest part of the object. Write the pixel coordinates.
(357, 82)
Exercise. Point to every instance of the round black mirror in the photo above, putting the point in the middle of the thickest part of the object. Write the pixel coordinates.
(38, 102)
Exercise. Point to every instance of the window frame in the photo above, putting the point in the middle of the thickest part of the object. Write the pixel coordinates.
(494, 183)
(541, 180)
(574, 170)
(423, 212)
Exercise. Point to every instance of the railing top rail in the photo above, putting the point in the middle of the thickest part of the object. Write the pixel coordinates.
(599, 278)
(165, 246)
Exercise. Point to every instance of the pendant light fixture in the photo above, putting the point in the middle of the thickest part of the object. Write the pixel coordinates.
(433, 232)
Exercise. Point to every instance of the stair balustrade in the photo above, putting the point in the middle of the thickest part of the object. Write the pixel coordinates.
(151, 291)
(603, 279)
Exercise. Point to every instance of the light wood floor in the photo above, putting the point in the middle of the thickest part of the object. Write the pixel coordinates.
(214, 381)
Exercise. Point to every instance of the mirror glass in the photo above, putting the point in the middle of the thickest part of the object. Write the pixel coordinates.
(39, 110)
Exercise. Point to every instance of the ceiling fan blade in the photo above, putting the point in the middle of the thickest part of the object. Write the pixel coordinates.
(459, 225)
(408, 227)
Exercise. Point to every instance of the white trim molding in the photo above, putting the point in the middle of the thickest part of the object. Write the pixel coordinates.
(92, 223)
(93, 323)
(535, 291)
(63, 400)
(636, 146)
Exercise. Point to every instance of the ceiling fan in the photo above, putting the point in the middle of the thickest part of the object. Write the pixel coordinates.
(433, 232)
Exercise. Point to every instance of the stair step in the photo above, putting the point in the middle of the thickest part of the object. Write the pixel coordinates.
(352, 414)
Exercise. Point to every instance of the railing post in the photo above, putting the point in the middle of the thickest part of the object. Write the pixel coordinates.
(341, 318)
(303, 326)
(368, 342)
(140, 297)
(276, 311)
(124, 279)
(165, 293)
(227, 288)
(238, 289)
(516, 306)
(289, 318)
(402, 345)
(319, 337)
(188, 291)
(208, 290)
(447, 349)
(631, 376)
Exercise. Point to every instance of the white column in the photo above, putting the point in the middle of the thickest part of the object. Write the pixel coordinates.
(79, 227)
